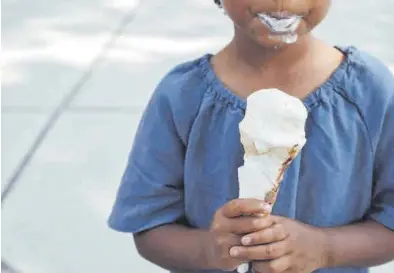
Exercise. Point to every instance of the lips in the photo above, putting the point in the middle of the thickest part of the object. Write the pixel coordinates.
(281, 14)
(280, 22)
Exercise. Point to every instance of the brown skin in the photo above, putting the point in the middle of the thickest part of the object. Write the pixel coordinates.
(305, 67)
(243, 13)
(294, 247)
(227, 228)
(250, 63)
(289, 246)
(176, 247)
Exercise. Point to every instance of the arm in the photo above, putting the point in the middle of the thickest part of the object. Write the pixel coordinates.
(291, 246)
(360, 245)
(174, 247)
(150, 199)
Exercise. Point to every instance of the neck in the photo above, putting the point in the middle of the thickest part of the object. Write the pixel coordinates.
(258, 58)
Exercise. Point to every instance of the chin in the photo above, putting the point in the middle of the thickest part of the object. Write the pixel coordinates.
(269, 43)
(265, 40)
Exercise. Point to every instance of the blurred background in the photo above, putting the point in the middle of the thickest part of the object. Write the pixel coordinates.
(76, 75)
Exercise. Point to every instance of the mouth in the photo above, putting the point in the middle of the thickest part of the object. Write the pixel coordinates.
(280, 22)
(280, 15)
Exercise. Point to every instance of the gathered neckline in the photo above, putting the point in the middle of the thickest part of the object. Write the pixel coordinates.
(309, 101)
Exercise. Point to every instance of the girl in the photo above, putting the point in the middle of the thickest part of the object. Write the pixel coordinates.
(335, 209)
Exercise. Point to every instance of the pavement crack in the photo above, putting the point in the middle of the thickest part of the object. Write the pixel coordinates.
(64, 105)
(7, 268)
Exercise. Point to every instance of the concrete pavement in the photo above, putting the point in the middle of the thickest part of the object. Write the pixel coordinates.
(76, 75)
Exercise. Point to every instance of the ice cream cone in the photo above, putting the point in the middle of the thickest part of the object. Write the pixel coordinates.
(272, 134)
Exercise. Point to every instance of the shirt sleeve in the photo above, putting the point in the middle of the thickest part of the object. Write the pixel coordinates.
(151, 190)
(382, 210)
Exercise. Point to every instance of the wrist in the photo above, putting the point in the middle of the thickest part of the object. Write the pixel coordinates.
(328, 248)
(206, 250)
(326, 253)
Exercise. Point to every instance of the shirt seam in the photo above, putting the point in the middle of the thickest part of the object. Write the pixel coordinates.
(203, 94)
(200, 76)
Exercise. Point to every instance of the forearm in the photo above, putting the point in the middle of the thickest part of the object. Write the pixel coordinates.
(360, 245)
(174, 247)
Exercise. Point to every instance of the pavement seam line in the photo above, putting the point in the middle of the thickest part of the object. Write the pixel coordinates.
(64, 104)
(56, 114)
(7, 268)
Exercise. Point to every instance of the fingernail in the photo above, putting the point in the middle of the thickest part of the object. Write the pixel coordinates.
(234, 252)
(267, 207)
(246, 240)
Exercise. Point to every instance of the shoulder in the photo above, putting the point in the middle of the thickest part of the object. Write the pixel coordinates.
(369, 85)
(180, 93)
(369, 80)
(184, 80)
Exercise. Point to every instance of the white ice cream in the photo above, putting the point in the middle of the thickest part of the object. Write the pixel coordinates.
(273, 120)
(273, 125)
(272, 133)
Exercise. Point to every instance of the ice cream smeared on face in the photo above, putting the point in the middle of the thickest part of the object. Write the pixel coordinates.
(282, 24)
(272, 134)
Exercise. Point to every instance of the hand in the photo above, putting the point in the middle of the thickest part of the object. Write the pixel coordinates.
(285, 247)
(227, 228)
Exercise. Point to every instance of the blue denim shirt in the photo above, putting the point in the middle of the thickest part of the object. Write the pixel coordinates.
(184, 161)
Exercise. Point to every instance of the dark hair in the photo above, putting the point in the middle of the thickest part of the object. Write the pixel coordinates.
(217, 2)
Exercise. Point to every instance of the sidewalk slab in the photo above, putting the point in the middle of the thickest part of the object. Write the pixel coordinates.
(365, 24)
(155, 43)
(152, 45)
(18, 133)
(49, 45)
(47, 48)
(55, 220)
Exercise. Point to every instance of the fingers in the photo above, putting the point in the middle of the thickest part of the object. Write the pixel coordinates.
(280, 265)
(243, 225)
(266, 235)
(228, 241)
(223, 244)
(233, 217)
(261, 252)
(240, 207)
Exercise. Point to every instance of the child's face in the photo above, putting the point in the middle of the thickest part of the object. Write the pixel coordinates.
(244, 14)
